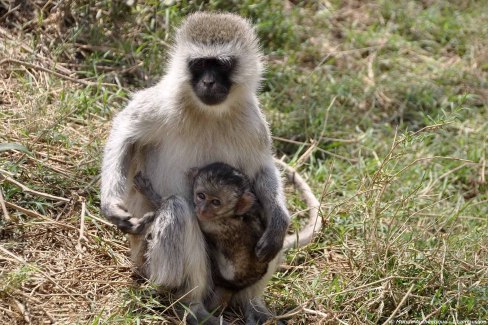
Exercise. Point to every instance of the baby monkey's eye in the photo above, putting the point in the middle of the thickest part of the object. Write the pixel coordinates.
(215, 202)
(201, 196)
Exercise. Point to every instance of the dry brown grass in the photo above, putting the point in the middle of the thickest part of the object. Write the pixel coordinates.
(59, 262)
(67, 280)
(63, 264)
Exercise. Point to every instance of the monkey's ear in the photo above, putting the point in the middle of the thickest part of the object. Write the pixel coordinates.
(245, 203)
(191, 174)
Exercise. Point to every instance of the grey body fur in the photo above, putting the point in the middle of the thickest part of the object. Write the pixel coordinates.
(163, 132)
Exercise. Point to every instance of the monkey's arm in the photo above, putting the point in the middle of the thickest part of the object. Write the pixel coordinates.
(269, 191)
(129, 127)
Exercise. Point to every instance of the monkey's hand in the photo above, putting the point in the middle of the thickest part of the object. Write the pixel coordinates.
(271, 242)
(117, 213)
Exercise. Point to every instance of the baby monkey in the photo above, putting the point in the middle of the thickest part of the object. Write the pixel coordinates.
(231, 220)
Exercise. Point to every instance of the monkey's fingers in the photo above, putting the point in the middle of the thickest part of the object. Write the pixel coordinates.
(137, 226)
(143, 222)
(117, 214)
(128, 227)
(133, 226)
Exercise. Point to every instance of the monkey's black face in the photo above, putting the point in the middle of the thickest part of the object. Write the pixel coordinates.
(211, 78)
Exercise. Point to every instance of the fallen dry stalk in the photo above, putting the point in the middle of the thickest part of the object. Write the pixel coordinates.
(31, 191)
(4, 208)
(34, 214)
(399, 305)
(82, 225)
(57, 74)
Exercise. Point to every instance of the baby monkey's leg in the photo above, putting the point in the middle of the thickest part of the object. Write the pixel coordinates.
(220, 298)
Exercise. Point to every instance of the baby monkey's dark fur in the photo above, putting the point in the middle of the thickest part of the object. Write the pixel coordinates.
(232, 222)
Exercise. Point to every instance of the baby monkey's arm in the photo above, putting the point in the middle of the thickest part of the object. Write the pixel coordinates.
(143, 185)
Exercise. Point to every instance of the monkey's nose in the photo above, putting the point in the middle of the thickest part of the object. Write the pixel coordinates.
(208, 82)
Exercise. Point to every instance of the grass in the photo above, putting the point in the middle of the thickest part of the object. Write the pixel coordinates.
(391, 96)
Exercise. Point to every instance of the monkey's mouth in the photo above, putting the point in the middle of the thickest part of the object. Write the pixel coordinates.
(212, 94)
(205, 215)
(212, 98)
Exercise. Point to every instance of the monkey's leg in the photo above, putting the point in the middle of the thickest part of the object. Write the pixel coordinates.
(254, 309)
(256, 312)
(219, 298)
(200, 315)
(249, 300)
(176, 256)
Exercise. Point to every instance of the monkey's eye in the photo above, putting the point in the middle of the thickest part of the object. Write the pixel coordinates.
(225, 64)
(201, 196)
(215, 203)
(197, 64)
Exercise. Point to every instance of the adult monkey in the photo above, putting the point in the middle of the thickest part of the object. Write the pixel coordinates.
(203, 110)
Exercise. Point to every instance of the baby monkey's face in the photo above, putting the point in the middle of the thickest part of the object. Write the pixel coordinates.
(211, 204)
(216, 199)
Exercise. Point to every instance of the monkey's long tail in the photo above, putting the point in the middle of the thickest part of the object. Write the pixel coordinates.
(314, 223)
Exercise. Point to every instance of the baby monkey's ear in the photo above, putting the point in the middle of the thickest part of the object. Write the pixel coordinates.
(245, 203)
(191, 174)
